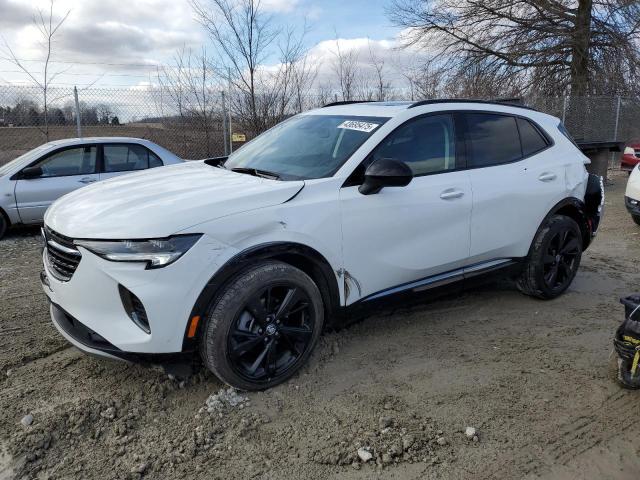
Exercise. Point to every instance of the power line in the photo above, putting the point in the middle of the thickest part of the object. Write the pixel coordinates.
(140, 65)
(79, 74)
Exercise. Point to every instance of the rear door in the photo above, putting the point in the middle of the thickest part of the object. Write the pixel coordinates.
(515, 180)
(122, 158)
(63, 171)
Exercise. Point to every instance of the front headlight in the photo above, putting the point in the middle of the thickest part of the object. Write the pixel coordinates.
(629, 151)
(157, 252)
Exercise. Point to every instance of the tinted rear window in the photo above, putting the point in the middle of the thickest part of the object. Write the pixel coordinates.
(532, 140)
(493, 139)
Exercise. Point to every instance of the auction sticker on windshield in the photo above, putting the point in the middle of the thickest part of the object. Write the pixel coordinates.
(360, 126)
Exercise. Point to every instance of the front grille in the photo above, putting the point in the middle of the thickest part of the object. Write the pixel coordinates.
(62, 257)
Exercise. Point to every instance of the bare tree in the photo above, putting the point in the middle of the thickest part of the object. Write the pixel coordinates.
(190, 85)
(556, 44)
(242, 34)
(345, 66)
(47, 26)
(382, 86)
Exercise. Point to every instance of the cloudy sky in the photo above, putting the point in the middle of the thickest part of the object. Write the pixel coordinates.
(120, 43)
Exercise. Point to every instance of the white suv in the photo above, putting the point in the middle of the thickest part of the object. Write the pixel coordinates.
(246, 259)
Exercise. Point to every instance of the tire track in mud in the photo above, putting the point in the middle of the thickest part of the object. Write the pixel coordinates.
(574, 437)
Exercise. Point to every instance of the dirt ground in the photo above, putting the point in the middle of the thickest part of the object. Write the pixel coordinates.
(532, 377)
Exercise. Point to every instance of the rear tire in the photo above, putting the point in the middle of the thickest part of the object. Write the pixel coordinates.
(263, 326)
(636, 218)
(4, 225)
(554, 259)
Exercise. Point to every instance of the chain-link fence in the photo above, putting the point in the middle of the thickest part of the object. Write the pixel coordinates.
(198, 125)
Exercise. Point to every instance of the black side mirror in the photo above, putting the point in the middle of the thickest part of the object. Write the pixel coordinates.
(385, 172)
(32, 172)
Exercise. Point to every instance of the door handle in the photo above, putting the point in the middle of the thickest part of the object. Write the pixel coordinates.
(87, 180)
(547, 177)
(451, 194)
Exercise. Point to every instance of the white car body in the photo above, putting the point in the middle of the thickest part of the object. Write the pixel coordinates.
(25, 200)
(439, 228)
(632, 194)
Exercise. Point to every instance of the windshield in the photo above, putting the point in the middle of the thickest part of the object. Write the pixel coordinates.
(8, 167)
(305, 146)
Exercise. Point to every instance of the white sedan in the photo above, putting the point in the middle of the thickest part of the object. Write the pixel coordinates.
(31, 182)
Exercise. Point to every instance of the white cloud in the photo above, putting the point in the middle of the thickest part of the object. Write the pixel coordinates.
(280, 5)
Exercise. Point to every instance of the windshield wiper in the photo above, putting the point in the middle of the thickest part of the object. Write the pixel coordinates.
(257, 173)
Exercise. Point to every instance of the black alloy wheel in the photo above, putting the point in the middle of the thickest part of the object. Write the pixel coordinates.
(271, 333)
(554, 258)
(560, 259)
(263, 325)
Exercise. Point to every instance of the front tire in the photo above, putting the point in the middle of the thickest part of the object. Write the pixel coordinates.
(263, 326)
(554, 258)
(4, 225)
(636, 218)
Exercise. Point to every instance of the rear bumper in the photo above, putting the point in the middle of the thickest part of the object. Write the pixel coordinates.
(594, 202)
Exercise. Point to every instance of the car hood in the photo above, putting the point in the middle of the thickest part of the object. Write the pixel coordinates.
(162, 201)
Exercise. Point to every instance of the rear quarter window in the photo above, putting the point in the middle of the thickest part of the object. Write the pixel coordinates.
(492, 138)
(532, 140)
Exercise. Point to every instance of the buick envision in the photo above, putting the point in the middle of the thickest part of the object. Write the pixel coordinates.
(245, 259)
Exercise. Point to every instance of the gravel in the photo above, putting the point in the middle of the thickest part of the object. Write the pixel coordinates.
(27, 420)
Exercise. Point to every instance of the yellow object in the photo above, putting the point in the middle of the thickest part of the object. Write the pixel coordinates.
(634, 365)
(238, 137)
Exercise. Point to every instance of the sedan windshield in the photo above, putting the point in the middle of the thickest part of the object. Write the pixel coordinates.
(305, 146)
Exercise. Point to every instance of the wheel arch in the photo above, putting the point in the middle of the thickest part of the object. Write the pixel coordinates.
(301, 256)
(574, 209)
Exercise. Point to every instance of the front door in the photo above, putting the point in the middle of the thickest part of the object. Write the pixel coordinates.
(62, 172)
(402, 235)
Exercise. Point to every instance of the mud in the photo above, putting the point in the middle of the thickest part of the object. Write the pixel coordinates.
(532, 377)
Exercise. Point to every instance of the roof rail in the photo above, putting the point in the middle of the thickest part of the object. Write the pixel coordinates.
(511, 102)
(346, 102)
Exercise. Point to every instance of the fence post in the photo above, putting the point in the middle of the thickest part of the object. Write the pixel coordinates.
(78, 122)
(230, 136)
(615, 130)
(564, 110)
(224, 124)
(612, 161)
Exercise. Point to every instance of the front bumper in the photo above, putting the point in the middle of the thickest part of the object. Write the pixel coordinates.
(88, 309)
(633, 205)
(90, 342)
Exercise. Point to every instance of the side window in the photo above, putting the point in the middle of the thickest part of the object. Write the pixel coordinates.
(73, 161)
(532, 140)
(154, 161)
(492, 138)
(426, 145)
(125, 157)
